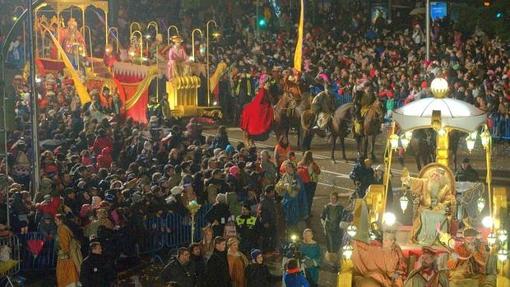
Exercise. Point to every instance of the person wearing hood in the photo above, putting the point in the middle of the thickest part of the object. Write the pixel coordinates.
(96, 270)
(104, 160)
(179, 270)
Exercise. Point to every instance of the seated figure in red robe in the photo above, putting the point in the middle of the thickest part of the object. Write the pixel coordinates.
(257, 116)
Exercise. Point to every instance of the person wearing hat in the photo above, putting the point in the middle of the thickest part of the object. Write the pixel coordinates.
(257, 273)
(466, 172)
(177, 59)
(427, 274)
(96, 269)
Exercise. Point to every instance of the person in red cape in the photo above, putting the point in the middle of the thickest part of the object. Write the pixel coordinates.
(257, 116)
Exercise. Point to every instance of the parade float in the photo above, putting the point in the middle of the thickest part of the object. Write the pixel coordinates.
(458, 232)
(134, 74)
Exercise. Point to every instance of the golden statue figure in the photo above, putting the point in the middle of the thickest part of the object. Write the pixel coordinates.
(434, 202)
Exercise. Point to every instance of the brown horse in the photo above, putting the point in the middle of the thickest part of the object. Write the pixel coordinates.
(423, 146)
(370, 128)
(288, 112)
(338, 126)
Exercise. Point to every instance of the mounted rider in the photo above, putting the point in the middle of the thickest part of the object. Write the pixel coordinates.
(323, 104)
(363, 97)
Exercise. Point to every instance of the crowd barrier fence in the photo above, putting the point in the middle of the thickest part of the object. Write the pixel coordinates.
(37, 253)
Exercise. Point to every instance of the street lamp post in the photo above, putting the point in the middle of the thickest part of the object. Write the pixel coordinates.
(193, 42)
(33, 101)
(168, 33)
(427, 23)
(207, 59)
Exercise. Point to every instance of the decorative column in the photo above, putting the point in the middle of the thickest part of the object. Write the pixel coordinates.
(439, 87)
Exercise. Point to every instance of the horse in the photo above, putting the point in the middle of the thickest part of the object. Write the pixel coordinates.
(370, 128)
(288, 112)
(339, 127)
(422, 144)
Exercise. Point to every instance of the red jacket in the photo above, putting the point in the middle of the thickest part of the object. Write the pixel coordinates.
(104, 160)
(100, 143)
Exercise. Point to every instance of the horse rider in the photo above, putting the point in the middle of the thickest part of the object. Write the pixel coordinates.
(323, 105)
(363, 98)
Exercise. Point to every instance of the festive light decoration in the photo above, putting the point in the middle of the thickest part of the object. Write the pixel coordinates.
(347, 251)
(389, 218)
(404, 203)
(487, 222)
(394, 141)
(503, 255)
(502, 236)
(480, 204)
(352, 230)
(491, 239)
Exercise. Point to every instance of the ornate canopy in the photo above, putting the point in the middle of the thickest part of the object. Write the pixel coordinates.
(455, 114)
(60, 5)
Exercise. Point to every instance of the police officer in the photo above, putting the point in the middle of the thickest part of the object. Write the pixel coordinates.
(248, 228)
(96, 270)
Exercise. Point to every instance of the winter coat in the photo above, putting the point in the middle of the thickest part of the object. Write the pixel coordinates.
(217, 272)
(96, 271)
(182, 274)
(258, 275)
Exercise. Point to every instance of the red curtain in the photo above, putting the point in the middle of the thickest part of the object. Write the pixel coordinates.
(127, 85)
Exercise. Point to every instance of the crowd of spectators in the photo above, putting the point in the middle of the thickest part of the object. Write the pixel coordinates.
(102, 176)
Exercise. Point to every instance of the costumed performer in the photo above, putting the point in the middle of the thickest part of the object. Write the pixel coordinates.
(257, 116)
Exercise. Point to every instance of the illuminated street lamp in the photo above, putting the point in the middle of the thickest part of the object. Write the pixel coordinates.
(503, 255)
(207, 57)
(404, 203)
(193, 41)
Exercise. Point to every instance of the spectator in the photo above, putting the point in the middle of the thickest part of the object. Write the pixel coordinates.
(466, 172)
(217, 270)
(237, 263)
(179, 269)
(257, 273)
(96, 270)
(293, 276)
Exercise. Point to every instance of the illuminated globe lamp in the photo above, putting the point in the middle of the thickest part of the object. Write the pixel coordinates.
(347, 251)
(439, 88)
(487, 222)
(389, 218)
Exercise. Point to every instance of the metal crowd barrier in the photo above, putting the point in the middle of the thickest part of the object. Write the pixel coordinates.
(500, 128)
(34, 252)
(170, 232)
(37, 252)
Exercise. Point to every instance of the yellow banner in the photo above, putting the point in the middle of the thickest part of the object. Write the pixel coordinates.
(215, 78)
(298, 54)
(81, 90)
